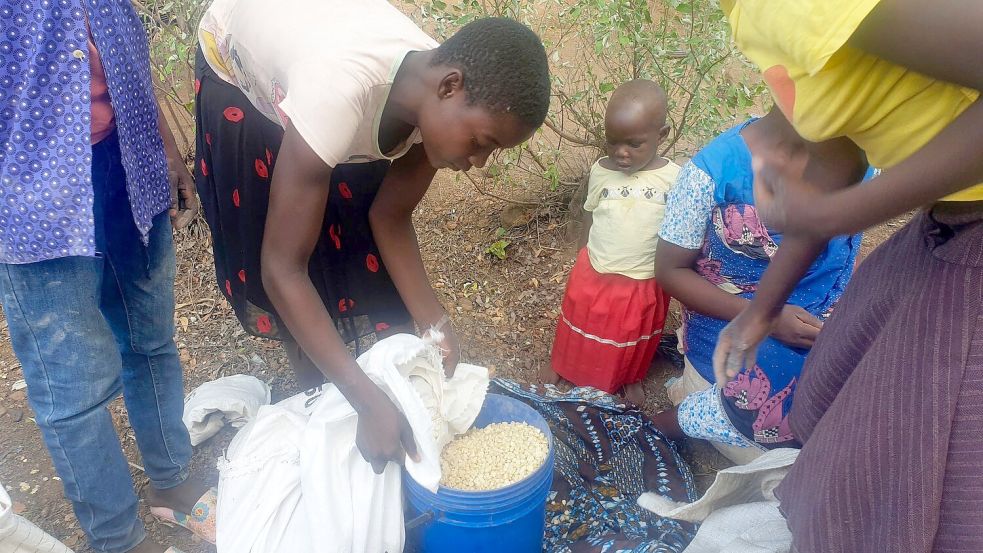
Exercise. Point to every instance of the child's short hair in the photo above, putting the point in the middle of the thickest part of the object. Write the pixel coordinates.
(644, 92)
(504, 65)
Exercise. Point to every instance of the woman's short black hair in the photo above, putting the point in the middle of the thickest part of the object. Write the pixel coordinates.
(504, 66)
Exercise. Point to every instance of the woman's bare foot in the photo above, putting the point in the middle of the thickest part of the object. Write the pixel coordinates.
(181, 498)
(635, 393)
(148, 546)
(548, 376)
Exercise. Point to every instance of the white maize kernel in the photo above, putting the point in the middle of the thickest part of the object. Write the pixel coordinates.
(493, 457)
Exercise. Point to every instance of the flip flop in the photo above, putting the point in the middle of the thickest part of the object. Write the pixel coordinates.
(201, 519)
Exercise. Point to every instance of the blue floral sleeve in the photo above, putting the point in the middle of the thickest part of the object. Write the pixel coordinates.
(688, 207)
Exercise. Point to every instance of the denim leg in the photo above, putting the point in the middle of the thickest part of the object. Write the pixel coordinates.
(72, 367)
(138, 302)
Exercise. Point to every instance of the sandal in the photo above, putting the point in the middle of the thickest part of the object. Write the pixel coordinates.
(201, 519)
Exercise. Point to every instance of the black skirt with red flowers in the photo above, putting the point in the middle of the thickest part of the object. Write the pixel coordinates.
(236, 153)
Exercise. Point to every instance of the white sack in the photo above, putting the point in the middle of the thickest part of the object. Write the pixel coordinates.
(293, 481)
(19, 535)
(739, 512)
(231, 400)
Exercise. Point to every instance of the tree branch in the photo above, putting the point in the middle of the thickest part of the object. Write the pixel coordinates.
(566, 136)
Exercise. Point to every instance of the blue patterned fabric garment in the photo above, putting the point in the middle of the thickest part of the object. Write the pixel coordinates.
(702, 415)
(606, 456)
(711, 209)
(45, 153)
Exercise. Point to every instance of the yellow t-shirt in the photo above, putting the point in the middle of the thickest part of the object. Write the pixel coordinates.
(627, 211)
(829, 89)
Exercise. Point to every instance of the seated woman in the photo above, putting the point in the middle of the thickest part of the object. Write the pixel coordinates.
(712, 254)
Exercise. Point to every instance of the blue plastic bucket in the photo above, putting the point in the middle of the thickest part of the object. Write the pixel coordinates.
(512, 518)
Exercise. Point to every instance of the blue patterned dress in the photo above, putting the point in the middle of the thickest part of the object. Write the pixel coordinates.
(711, 209)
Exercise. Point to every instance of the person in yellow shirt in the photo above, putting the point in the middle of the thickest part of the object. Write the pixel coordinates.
(613, 311)
(889, 401)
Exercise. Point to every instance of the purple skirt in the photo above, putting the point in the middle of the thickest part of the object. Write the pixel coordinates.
(890, 405)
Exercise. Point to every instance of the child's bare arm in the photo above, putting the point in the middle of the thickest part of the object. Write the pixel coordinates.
(586, 222)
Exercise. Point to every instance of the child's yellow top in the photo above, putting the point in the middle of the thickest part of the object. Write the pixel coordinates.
(829, 89)
(627, 213)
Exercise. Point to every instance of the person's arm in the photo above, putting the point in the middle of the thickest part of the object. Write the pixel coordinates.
(675, 273)
(391, 218)
(591, 202)
(795, 326)
(824, 168)
(908, 33)
(738, 342)
(585, 224)
(184, 201)
(298, 198)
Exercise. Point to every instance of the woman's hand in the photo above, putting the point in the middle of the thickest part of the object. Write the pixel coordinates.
(796, 327)
(383, 434)
(450, 346)
(737, 344)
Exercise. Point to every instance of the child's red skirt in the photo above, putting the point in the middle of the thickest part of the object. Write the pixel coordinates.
(609, 328)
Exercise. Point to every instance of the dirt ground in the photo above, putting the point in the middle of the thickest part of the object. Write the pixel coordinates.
(504, 311)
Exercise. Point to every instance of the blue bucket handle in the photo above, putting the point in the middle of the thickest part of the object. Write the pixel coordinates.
(420, 520)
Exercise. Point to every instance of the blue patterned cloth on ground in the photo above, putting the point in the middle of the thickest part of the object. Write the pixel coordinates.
(606, 455)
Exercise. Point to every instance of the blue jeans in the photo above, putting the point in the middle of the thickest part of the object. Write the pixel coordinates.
(86, 329)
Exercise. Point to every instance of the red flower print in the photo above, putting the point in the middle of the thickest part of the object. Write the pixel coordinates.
(345, 304)
(335, 236)
(204, 169)
(197, 86)
(261, 169)
(228, 288)
(242, 275)
(235, 197)
(269, 157)
(208, 138)
(346, 192)
(379, 327)
(372, 262)
(233, 114)
(263, 324)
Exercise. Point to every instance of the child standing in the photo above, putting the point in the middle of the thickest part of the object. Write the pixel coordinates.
(613, 310)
